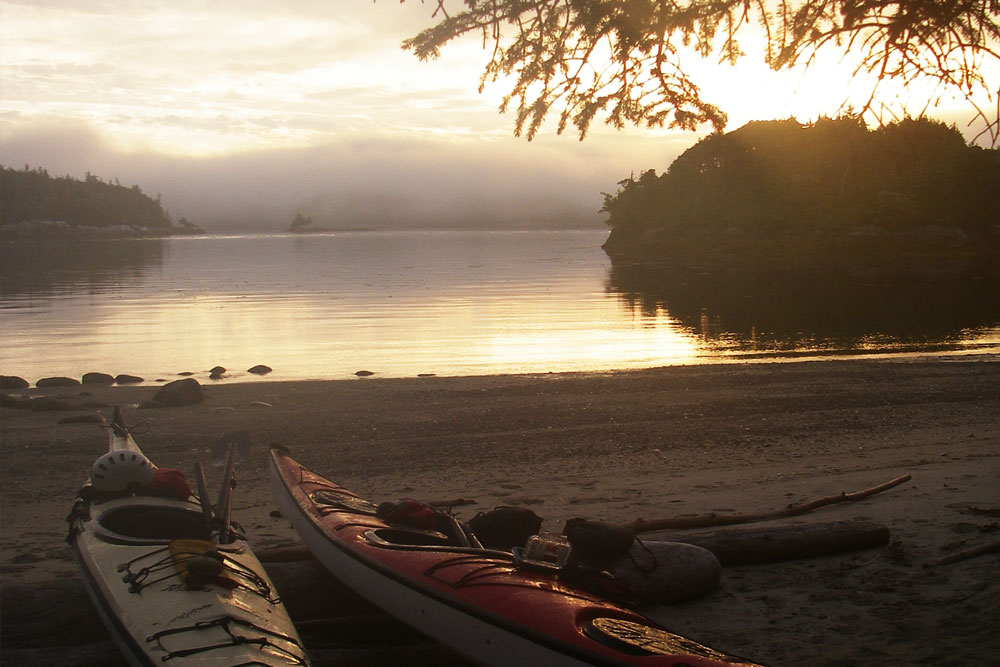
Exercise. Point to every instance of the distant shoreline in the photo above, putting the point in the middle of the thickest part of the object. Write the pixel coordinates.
(230, 378)
(9, 233)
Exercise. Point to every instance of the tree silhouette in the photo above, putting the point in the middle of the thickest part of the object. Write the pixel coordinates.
(34, 196)
(782, 191)
(626, 58)
(300, 223)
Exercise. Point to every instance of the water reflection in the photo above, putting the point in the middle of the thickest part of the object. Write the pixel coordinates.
(781, 311)
(48, 267)
(450, 303)
(397, 303)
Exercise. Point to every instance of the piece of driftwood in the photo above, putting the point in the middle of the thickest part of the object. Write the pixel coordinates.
(768, 544)
(713, 519)
(965, 554)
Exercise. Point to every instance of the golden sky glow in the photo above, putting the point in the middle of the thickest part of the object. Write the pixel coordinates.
(203, 79)
(108, 87)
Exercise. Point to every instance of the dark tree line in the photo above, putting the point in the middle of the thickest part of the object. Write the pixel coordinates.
(31, 195)
(785, 191)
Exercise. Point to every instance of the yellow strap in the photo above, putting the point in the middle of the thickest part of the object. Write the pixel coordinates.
(183, 549)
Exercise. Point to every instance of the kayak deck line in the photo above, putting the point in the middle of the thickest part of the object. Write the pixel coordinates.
(225, 622)
(175, 564)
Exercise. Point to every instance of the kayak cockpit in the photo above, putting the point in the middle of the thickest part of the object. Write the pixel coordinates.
(140, 523)
(409, 537)
(412, 539)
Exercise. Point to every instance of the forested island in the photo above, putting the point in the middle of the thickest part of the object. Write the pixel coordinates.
(302, 224)
(783, 193)
(33, 204)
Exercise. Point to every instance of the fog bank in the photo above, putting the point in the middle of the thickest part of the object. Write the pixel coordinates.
(371, 183)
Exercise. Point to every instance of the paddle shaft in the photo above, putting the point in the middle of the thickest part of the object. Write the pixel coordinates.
(223, 509)
(206, 508)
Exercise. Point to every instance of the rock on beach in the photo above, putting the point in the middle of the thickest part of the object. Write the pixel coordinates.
(178, 393)
(98, 378)
(57, 381)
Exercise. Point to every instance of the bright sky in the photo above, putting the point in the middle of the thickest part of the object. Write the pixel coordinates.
(280, 106)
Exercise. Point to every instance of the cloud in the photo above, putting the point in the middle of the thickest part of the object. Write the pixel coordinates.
(242, 113)
(365, 182)
(253, 63)
(63, 146)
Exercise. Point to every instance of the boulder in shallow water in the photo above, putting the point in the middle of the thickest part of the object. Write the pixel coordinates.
(58, 381)
(13, 382)
(260, 369)
(668, 572)
(98, 378)
(178, 393)
(128, 379)
(217, 372)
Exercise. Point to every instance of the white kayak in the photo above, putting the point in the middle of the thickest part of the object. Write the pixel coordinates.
(173, 581)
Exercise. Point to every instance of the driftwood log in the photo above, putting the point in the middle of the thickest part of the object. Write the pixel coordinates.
(732, 546)
(713, 519)
(769, 544)
(965, 554)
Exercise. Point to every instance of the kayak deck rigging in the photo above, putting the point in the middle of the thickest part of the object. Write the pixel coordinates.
(174, 559)
(226, 623)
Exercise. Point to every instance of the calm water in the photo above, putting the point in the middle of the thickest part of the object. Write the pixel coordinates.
(447, 303)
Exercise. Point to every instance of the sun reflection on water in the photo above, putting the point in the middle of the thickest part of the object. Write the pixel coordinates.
(407, 303)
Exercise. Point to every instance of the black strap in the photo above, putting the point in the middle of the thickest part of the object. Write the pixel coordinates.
(225, 622)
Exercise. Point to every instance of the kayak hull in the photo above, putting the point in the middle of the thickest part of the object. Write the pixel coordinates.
(166, 592)
(480, 602)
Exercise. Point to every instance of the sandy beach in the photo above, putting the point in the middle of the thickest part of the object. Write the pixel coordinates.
(613, 447)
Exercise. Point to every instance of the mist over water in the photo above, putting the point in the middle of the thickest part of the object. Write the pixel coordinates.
(403, 303)
(370, 183)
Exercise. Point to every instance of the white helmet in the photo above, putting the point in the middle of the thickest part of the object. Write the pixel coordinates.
(120, 469)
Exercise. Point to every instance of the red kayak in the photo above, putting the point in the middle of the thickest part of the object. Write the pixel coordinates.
(495, 607)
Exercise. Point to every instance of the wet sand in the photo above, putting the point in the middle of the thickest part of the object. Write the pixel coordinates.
(616, 447)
